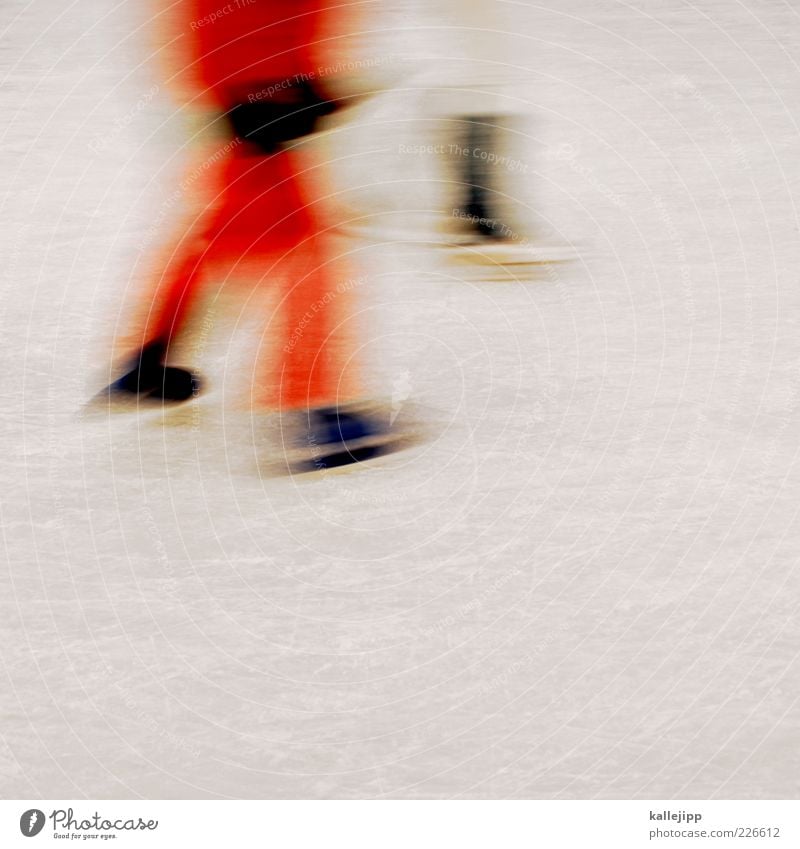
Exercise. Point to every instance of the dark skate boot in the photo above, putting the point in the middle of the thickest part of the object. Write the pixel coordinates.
(150, 378)
(490, 237)
(332, 437)
(482, 213)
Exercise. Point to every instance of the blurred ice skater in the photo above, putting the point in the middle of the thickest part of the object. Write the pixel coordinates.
(476, 79)
(265, 66)
(479, 85)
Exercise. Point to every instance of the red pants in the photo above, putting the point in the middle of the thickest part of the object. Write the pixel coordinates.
(261, 212)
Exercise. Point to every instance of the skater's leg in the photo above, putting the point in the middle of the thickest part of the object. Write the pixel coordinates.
(269, 228)
(161, 312)
(481, 209)
(175, 293)
(311, 350)
(161, 316)
(314, 366)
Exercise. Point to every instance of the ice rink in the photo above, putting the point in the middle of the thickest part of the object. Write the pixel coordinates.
(582, 583)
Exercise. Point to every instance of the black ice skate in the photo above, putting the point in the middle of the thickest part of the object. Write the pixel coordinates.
(487, 234)
(150, 378)
(482, 218)
(336, 437)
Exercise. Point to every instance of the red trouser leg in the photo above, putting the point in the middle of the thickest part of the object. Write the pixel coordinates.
(180, 267)
(263, 223)
(175, 296)
(308, 369)
(310, 366)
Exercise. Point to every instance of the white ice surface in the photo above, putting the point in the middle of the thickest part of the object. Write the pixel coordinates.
(584, 584)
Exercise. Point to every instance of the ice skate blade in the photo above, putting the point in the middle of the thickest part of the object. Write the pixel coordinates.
(342, 459)
(513, 256)
(463, 246)
(346, 459)
(112, 403)
(346, 455)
